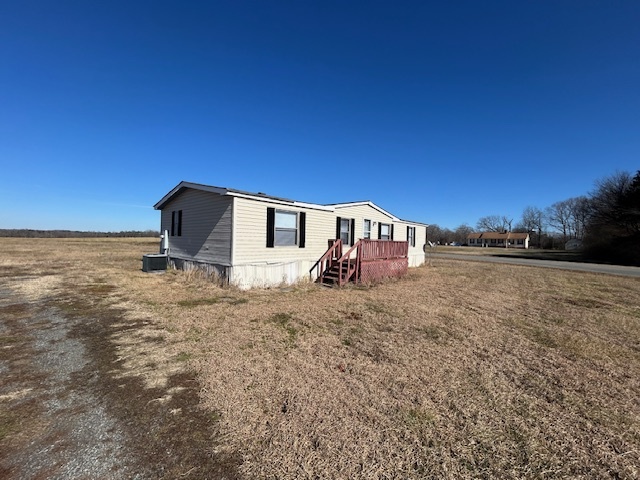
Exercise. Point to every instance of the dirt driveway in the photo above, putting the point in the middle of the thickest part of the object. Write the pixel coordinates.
(71, 405)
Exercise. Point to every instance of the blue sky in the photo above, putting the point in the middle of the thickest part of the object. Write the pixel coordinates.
(439, 112)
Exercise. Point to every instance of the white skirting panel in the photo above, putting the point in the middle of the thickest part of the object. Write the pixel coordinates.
(262, 275)
(415, 260)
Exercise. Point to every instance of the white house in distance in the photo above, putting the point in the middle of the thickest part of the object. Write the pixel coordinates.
(257, 240)
(498, 239)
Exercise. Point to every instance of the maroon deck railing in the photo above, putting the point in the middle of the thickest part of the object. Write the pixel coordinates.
(382, 249)
(349, 266)
(380, 256)
(382, 259)
(329, 258)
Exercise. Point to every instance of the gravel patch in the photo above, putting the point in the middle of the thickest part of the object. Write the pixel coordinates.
(76, 437)
(76, 400)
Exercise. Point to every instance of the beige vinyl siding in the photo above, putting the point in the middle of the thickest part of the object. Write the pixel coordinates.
(250, 234)
(360, 213)
(416, 254)
(206, 227)
(400, 233)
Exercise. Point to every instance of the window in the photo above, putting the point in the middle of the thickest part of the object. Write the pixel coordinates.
(385, 231)
(472, 240)
(411, 236)
(286, 224)
(285, 228)
(176, 223)
(493, 240)
(367, 229)
(345, 229)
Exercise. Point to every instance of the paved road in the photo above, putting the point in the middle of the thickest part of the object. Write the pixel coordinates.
(577, 266)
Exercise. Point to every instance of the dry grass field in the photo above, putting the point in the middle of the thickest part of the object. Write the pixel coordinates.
(459, 370)
(542, 254)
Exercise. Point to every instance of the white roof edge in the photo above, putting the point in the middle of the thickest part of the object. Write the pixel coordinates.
(415, 223)
(372, 205)
(313, 206)
(351, 204)
(380, 209)
(232, 193)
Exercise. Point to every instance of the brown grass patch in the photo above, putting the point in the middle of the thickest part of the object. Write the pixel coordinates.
(133, 365)
(463, 370)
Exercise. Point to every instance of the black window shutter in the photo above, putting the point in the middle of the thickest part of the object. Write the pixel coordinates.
(352, 235)
(392, 231)
(271, 226)
(379, 230)
(302, 225)
(338, 228)
(408, 227)
(173, 223)
(179, 223)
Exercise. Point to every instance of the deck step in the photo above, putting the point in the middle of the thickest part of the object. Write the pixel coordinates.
(333, 276)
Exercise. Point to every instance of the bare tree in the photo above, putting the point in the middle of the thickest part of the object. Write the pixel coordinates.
(494, 223)
(461, 234)
(439, 235)
(558, 216)
(569, 217)
(578, 216)
(532, 221)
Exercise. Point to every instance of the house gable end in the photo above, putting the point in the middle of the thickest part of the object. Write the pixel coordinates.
(181, 187)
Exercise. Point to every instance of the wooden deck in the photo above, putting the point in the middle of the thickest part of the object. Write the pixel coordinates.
(367, 261)
(383, 259)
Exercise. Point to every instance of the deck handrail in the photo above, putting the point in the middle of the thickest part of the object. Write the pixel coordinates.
(383, 249)
(351, 269)
(349, 265)
(333, 252)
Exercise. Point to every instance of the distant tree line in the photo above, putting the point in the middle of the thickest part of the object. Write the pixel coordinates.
(28, 233)
(606, 222)
(446, 236)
